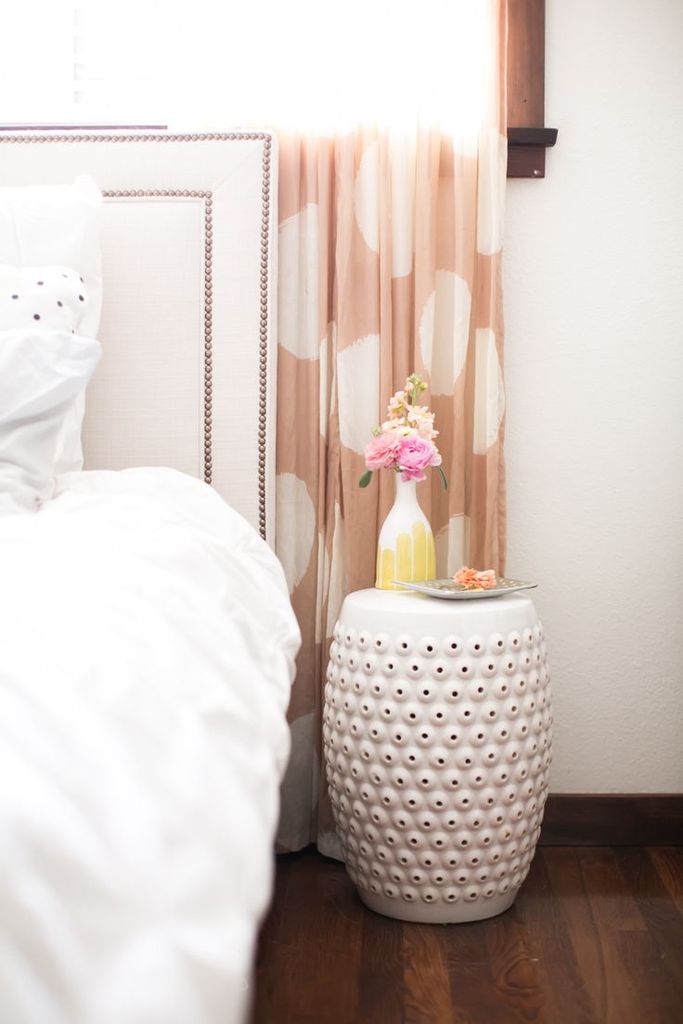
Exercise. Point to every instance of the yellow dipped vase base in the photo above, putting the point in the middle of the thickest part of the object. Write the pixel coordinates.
(406, 543)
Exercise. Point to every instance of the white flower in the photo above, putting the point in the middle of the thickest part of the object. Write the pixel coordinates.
(398, 426)
(419, 417)
(397, 404)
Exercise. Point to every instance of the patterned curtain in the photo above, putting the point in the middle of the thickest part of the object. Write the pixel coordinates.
(389, 262)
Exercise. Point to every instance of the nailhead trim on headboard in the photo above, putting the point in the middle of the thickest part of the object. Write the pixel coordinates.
(164, 193)
(263, 332)
(207, 197)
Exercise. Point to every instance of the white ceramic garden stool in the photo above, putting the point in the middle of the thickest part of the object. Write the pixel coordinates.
(437, 731)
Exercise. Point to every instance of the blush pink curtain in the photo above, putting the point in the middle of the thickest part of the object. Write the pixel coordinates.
(389, 262)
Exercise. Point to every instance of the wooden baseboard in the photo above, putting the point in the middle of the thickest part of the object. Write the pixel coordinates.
(608, 819)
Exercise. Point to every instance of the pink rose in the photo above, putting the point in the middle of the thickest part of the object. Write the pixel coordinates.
(415, 455)
(382, 450)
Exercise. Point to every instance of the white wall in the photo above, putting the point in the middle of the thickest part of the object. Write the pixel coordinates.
(594, 308)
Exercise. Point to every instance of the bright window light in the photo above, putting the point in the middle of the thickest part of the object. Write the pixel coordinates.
(308, 64)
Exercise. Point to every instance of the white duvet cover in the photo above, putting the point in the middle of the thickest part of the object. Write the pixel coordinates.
(146, 655)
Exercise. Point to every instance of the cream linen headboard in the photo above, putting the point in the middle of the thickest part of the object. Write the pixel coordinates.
(187, 377)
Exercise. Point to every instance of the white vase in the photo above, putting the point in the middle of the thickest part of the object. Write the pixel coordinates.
(405, 549)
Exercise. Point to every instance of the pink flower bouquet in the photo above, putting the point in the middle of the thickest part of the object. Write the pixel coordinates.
(405, 441)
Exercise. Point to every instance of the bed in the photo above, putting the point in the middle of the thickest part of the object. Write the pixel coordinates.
(147, 642)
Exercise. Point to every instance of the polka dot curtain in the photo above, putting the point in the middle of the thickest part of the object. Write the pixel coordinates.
(389, 262)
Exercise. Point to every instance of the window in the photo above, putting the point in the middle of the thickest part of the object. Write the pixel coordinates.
(192, 63)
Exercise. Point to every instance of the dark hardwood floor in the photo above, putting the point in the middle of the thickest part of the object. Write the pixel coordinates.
(596, 935)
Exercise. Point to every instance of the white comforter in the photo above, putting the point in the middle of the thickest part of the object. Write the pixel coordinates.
(146, 655)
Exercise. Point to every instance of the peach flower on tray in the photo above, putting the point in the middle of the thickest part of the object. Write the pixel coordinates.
(475, 579)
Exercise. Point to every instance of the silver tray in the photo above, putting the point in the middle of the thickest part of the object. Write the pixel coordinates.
(448, 590)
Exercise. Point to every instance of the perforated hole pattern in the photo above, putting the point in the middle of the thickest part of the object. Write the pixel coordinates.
(452, 810)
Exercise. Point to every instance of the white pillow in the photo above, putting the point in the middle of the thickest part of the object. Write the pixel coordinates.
(54, 299)
(50, 298)
(57, 225)
(41, 373)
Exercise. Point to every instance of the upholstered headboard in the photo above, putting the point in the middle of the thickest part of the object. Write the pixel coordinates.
(188, 323)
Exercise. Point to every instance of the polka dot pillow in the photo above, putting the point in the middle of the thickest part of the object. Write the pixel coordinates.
(52, 298)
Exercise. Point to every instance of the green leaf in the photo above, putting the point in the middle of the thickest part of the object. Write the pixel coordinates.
(366, 478)
(444, 478)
